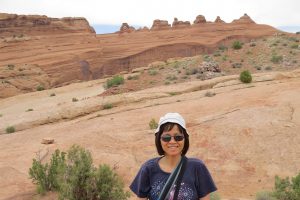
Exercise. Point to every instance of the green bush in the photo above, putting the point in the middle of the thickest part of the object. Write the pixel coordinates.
(10, 129)
(286, 188)
(40, 88)
(246, 77)
(152, 72)
(108, 106)
(153, 124)
(276, 58)
(237, 45)
(114, 81)
(294, 46)
(74, 177)
(46, 176)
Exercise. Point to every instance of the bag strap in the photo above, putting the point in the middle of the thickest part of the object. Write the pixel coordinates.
(180, 176)
(164, 192)
(173, 179)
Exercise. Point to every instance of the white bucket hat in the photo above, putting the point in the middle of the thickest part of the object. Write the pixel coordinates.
(171, 117)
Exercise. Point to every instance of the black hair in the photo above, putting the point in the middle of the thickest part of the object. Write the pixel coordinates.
(167, 127)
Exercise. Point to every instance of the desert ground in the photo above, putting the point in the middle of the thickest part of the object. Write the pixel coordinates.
(245, 133)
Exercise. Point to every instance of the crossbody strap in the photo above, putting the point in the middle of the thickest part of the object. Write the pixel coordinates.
(180, 176)
(171, 180)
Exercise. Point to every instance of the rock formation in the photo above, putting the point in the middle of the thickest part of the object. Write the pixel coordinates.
(125, 28)
(219, 20)
(41, 25)
(180, 24)
(200, 19)
(244, 19)
(160, 25)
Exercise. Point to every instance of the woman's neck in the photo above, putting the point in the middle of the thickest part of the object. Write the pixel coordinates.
(171, 161)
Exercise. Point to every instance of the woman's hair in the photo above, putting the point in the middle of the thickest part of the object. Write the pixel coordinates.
(167, 127)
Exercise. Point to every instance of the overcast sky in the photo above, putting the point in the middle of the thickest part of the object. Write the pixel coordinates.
(143, 12)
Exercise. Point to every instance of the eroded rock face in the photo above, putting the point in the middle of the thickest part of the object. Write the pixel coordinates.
(42, 25)
(245, 19)
(200, 19)
(160, 25)
(219, 20)
(180, 24)
(125, 28)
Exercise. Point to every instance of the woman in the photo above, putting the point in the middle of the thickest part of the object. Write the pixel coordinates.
(159, 178)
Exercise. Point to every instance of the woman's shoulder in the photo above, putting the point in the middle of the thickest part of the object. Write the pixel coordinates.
(150, 163)
(195, 162)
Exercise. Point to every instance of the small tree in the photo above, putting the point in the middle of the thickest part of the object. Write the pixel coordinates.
(10, 129)
(286, 189)
(246, 77)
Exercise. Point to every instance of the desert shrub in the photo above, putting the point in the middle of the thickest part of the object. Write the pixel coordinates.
(40, 88)
(252, 44)
(134, 77)
(171, 77)
(210, 94)
(108, 106)
(191, 71)
(47, 176)
(153, 124)
(152, 72)
(29, 110)
(114, 81)
(217, 54)
(268, 68)
(276, 58)
(237, 45)
(246, 76)
(10, 66)
(222, 47)
(108, 185)
(236, 65)
(74, 99)
(1, 115)
(52, 94)
(294, 46)
(264, 195)
(258, 68)
(10, 129)
(286, 188)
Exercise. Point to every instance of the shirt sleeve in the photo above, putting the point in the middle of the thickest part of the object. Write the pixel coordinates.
(141, 183)
(204, 181)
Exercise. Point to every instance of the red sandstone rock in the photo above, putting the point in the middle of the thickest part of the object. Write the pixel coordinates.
(160, 25)
(244, 19)
(200, 19)
(125, 28)
(219, 20)
(180, 24)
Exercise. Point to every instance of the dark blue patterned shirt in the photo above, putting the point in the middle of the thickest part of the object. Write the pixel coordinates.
(196, 182)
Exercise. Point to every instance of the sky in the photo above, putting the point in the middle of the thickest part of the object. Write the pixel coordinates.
(112, 13)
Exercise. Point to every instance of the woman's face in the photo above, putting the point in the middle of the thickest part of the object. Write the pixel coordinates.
(172, 147)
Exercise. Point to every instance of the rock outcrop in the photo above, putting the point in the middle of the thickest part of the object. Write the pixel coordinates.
(200, 19)
(180, 24)
(219, 20)
(160, 25)
(12, 24)
(245, 19)
(125, 28)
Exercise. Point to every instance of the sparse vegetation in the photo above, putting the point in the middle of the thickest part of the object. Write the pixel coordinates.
(10, 129)
(268, 68)
(114, 81)
(210, 94)
(223, 47)
(74, 99)
(40, 88)
(108, 106)
(236, 65)
(52, 94)
(237, 45)
(276, 58)
(246, 76)
(264, 195)
(1, 115)
(73, 176)
(29, 109)
(153, 124)
(152, 72)
(10, 66)
(134, 77)
(294, 46)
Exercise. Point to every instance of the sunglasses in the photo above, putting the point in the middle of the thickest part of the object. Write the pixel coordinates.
(167, 138)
